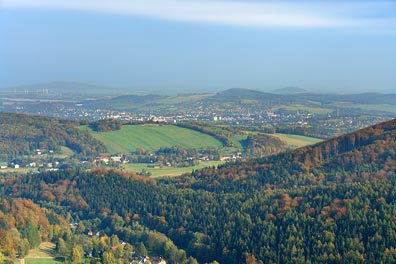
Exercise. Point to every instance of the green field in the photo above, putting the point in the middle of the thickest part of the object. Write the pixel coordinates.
(295, 141)
(152, 137)
(168, 171)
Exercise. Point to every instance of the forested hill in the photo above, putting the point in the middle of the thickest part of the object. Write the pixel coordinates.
(344, 159)
(21, 135)
(334, 202)
(24, 225)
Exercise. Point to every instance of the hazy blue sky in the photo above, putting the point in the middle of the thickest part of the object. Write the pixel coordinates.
(342, 46)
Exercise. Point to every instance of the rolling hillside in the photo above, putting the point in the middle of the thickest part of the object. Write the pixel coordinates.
(23, 135)
(333, 202)
(332, 161)
(153, 137)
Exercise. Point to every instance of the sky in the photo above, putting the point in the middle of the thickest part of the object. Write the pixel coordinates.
(201, 45)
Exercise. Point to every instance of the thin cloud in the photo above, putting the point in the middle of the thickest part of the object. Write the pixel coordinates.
(333, 14)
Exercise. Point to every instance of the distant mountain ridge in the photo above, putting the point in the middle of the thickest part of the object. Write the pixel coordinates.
(81, 87)
(240, 93)
(285, 99)
(247, 94)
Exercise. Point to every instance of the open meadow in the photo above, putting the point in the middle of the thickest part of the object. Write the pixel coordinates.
(296, 141)
(292, 141)
(153, 137)
(44, 254)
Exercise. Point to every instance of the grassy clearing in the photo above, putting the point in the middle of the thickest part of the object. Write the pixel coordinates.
(44, 254)
(64, 153)
(292, 141)
(45, 250)
(152, 137)
(168, 171)
(237, 140)
(295, 141)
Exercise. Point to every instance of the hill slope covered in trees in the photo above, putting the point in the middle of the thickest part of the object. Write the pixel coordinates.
(24, 225)
(331, 202)
(21, 135)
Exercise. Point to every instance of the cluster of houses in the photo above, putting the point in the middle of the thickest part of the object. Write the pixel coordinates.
(54, 165)
(40, 162)
(118, 158)
(50, 165)
(235, 156)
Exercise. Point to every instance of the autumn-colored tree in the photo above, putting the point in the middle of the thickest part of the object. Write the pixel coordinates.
(76, 254)
(108, 258)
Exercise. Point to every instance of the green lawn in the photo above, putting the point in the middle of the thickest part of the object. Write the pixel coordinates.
(152, 137)
(169, 171)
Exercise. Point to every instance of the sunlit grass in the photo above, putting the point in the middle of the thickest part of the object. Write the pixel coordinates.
(296, 141)
(44, 254)
(153, 137)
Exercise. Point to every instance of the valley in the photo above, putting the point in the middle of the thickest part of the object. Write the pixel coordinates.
(197, 132)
